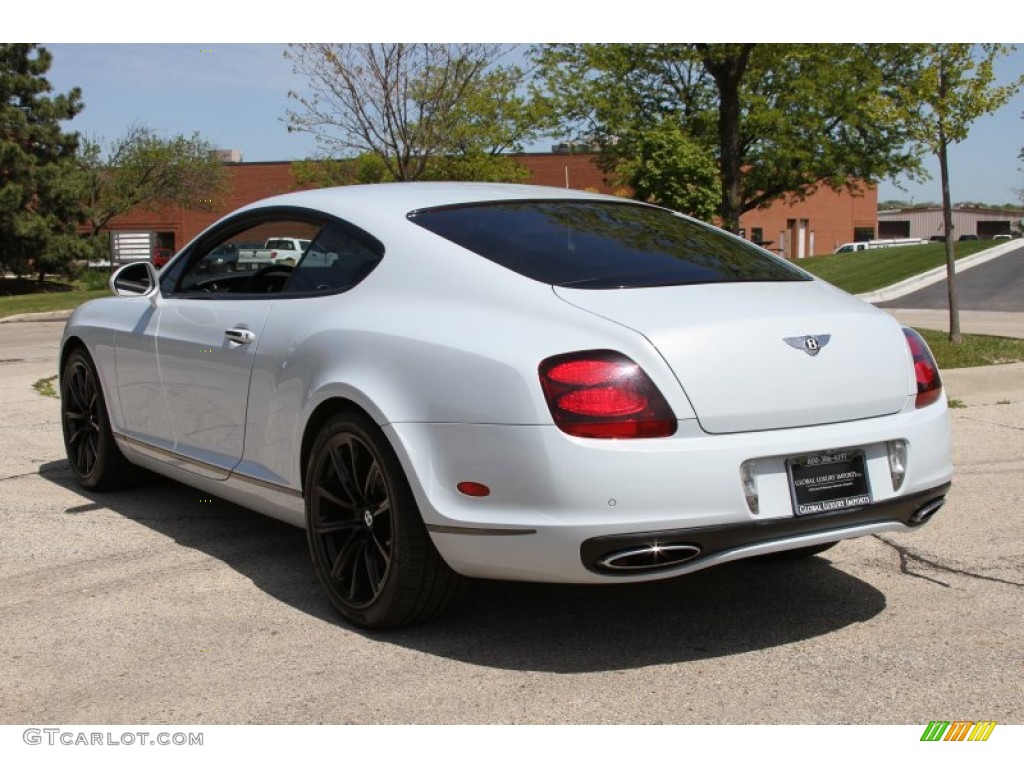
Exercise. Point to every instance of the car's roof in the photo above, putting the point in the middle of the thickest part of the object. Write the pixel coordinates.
(401, 198)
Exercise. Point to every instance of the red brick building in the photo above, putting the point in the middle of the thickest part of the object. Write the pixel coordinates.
(816, 225)
(795, 229)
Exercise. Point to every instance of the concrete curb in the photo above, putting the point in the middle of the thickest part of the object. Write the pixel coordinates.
(911, 284)
(39, 317)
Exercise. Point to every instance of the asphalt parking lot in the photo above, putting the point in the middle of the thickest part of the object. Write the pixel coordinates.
(163, 605)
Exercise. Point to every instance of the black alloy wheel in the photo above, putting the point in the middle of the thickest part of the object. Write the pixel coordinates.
(352, 525)
(94, 456)
(369, 546)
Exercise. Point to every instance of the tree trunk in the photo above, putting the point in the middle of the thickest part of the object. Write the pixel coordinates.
(729, 140)
(947, 218)
(727, 64)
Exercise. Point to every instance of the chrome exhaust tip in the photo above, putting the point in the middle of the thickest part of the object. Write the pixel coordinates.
(649, 557)
(924, 513)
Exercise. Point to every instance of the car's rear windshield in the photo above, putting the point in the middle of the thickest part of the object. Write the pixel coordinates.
(589, 244)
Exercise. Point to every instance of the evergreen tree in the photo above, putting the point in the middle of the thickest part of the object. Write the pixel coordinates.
(39, 184)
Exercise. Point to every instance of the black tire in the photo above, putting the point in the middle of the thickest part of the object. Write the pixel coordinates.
(95, 458)
(800, 553)
(369, 546)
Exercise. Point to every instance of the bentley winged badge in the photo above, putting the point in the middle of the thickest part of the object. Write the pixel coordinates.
(812, 345)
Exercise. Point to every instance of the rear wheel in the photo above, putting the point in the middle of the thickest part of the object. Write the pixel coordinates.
(94, 456)
(370, 548)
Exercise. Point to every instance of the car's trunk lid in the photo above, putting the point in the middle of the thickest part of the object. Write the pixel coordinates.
(742, 355)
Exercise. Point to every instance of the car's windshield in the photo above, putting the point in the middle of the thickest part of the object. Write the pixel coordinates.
(589, 244)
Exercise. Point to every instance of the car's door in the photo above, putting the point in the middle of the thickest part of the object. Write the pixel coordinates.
(204, 337)
(205, 351)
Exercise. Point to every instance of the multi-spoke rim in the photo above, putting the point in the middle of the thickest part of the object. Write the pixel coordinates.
(82, 418)
(351, 521)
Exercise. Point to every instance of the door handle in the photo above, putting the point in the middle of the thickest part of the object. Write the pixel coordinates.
(240, 335)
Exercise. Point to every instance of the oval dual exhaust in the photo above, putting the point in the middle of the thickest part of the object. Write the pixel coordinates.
(649, 557)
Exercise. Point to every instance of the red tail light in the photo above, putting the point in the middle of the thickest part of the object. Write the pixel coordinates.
(604, 394)
(929, 383)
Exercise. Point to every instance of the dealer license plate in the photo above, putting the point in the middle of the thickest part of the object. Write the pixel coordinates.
(828, 482)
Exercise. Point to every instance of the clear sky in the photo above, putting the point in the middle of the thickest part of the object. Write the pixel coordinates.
(236, 96)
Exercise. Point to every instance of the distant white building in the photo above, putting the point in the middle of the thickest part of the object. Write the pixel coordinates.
(926, 223)
(228, 155)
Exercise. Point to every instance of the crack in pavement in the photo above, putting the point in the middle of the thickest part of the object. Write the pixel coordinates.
(906, 556)
(992, 423)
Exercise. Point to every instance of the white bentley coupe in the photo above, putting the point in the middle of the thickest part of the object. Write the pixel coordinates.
(511, 382)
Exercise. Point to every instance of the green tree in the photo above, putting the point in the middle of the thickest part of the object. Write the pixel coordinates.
(670, 168)
(141, 169)
(777, 119)
(366, 168)
(39, 196)
(1020, 192)
(428, 111)
(953, 85)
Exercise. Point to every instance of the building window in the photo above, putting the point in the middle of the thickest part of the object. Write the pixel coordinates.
(757, 235)
(863, 234)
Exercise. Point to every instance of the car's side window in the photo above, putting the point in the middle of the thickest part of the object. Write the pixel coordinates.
(254, 259)
(336, 260)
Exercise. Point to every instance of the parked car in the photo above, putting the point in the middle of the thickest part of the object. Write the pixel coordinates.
(161, 256)
(967, 238)
(223, 258)
(1002, 236)
(509, 382)
(276, 250)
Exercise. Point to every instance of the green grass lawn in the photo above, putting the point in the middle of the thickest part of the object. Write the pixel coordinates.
(866, 271)
(46, 302)
(19, 297)
(973, 350)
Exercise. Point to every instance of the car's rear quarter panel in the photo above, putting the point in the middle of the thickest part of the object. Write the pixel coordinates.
(434, 335)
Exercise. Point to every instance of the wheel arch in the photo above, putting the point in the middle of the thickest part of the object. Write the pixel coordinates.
(323, 412)
(69, 345)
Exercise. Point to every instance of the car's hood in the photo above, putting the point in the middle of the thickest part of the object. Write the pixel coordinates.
(742, 355)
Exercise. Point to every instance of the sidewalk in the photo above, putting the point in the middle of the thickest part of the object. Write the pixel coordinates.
(987, 385)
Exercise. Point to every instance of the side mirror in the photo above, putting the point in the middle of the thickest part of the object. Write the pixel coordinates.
(136, 279)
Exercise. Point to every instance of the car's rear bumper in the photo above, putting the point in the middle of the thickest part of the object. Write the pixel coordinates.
(558, 505)
(658, 551)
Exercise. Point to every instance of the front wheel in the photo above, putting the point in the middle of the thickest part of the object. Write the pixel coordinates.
(88, 441)
(369, 546)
